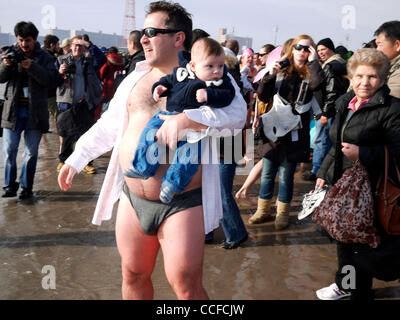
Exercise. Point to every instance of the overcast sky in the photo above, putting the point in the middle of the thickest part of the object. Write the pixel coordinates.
(347, 22)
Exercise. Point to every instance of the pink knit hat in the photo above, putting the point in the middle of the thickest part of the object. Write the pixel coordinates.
(247, 51)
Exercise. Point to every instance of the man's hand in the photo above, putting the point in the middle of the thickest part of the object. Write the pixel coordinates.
(7, 62)
(65, 177)
(175, 128)
(201, 95)
(63, 68)
(26, 64)
(351, 151)
(324, 121)
(158, 91)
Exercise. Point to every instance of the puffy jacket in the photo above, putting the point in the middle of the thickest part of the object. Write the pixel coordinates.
(41, 75)
(374, 125)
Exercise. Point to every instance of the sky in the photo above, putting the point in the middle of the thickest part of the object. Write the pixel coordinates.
(347, 22)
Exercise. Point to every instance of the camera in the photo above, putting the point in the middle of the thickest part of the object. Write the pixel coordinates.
(284, 63)
(71, 67)
(14, 54)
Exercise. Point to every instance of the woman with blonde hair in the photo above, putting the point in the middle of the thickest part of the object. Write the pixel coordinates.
(303, 75)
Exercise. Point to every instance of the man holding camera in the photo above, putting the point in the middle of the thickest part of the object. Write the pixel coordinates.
(78, 94)
(28, 71)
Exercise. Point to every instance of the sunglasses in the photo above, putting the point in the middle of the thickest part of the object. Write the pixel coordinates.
(152, 32)
(299, 47)
(262, 54)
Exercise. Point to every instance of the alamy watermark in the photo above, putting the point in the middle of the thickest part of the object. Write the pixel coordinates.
(349, 17)
(49, 19)
(349, 280)
(49, 280)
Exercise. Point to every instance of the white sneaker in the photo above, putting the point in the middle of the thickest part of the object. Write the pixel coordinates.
(332, 293)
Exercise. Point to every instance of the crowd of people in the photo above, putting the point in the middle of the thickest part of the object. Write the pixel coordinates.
(174, 79)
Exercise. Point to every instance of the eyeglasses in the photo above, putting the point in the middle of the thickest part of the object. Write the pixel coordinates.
(299, 47)
(152, 32)
(262, 54)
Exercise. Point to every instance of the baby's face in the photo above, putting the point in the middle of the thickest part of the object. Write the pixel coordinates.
(209, 68)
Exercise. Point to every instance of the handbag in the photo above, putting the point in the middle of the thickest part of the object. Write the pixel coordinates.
(347, 211)
(387, 197)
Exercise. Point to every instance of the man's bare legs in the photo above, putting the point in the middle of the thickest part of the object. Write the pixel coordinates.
(138, 253)
(182, 241)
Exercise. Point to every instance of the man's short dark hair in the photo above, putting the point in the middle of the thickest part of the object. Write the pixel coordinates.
(113, 50)
(85, 37)
(233, 45)
(26, 29)
(391, 29)
(49, 40)
(178, 18)
(134, 36)
(198, 34)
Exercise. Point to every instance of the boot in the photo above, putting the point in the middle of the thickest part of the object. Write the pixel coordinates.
(282, 215)
(263, 212)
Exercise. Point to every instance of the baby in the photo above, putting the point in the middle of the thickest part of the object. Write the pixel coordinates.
(200, 79)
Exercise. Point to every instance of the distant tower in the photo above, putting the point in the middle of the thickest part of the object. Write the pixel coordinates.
(129, 21)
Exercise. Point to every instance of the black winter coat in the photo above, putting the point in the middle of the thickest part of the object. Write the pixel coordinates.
(371, 128)
(335, 85)
(41, 75)
(293, 151)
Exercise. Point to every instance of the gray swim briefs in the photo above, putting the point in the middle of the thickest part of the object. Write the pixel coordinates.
(152, 213)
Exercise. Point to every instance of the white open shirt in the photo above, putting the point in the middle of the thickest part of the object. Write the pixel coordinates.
(107, 133)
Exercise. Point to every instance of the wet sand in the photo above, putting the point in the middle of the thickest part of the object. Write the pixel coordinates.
(54, 229)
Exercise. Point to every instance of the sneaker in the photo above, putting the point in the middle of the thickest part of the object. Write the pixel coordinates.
(233, 245)
(311, 201)
(309, 176)
(11, 192)
(60, 165)
(332, 293)
(25, 194)
(89, 169)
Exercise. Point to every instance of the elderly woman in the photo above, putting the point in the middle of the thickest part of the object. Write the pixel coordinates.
(367, 119)
(292, 147)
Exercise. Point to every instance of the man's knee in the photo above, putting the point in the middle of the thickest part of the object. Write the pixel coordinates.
(185, 283)
(134, 277)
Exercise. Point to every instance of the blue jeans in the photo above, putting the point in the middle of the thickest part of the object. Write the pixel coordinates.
(322, 144)
(232, 222)
(11, 139)
(286, 178)
(147, 156)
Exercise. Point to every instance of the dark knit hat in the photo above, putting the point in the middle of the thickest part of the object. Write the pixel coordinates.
(327, 42)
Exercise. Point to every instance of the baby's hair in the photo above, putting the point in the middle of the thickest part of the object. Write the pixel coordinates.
(207, 47)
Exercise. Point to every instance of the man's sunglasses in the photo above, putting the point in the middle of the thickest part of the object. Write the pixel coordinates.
(152, 32)
(299, 47)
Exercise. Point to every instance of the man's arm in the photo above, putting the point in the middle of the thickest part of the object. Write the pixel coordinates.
(231, 117)
(5, 72)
